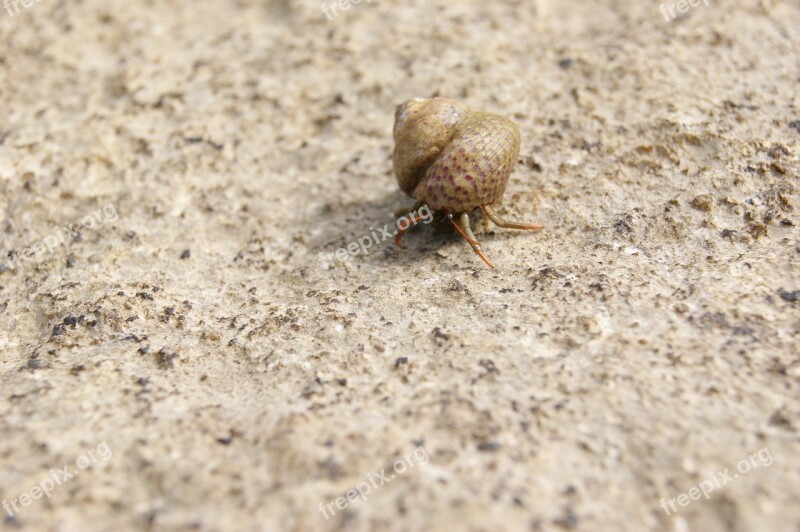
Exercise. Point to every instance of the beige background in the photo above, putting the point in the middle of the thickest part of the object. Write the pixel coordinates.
(645, 340)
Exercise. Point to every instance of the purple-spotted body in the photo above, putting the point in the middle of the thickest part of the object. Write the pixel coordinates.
(454, 160)
(473, 169)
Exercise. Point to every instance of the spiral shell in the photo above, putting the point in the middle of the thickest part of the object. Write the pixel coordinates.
(450, 157)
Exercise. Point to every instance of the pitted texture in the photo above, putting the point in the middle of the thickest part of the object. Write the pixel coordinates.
(642, 345)
(473, 168)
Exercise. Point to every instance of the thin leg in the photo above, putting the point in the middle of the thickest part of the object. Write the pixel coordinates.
(400, 232)
(465, 230)
(463, 221)
(508, 225)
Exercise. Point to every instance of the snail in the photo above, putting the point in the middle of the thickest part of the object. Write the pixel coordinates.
(454, 160)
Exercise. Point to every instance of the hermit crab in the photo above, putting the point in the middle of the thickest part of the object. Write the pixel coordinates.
(454, 160)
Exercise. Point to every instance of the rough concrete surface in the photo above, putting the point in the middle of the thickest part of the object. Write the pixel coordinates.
(176, 329)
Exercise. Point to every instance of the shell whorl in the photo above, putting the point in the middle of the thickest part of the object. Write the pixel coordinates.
(422, 128)
(450, 157)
